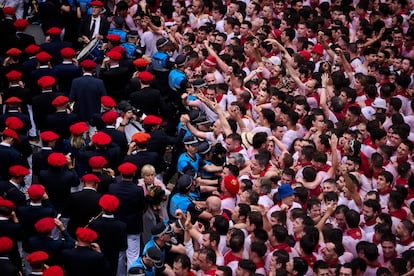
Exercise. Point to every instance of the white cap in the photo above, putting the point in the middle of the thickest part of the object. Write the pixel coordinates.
(274, 60)
(379, 103)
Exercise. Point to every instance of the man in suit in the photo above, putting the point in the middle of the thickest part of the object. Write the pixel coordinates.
(21, 40)
(6, 266)
(94, 25)
(67, 71)
(131, 207)
(112, 234)
(61, 120)
(8, 155)
(118, 137)
(84, 205)
(106, 175)
(16, 89)
(54, 45)
(43, 68)
(11, 189)
(14, 109)
(39, 159)
(86, 92)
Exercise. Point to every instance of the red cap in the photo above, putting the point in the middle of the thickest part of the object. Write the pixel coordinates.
(48, 136)
(7, 203)
(78, 128)
(119, 49)
(86, 234)
(9, 11)
(43, 57)
(37, 257)
(276, 33)
(21, 24)
(88, 64)
(152, 120)
(108, 101)
(14, 123)
(113, 38)
(146, 77)
(32, 49)
(114, 55)
(96, 4)
(11, 133)
(231, 183)
(46, 81)
(13, 75)
(317, 48)
(109, 203)
(13, 100)
(141, 137)
(6, 245)
(54, 31)
(210, 61)
(14, 52)
(101, 139)
(36, 191)
(141, 62)
(18, 170)
(305, 54)
(45, 225)
(60, 100)
(109, 117)
(97, 161)
(127, 168)
(90, 177)
(56, 159)
(53, 270)
(67, 52)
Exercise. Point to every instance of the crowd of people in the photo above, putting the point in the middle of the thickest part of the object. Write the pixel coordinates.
(207, 138)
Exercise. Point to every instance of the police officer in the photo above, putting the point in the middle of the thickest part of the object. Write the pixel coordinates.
(148, 263)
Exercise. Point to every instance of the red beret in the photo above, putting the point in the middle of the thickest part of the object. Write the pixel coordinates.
(13, 75)
(108, 101)
(305, 54)
(45, 225)
(18, 170)
(114, 55)
(48, 136)
(54, 31)
(210, 61)
(14, 52)
(86, 234)
(60, 100)
(36, 191)
(11, 133)
(97, 161)
(101, 139)
(119, 49)
(78, 128)
(67, 52)
(90, 177)
(9, 11)
(53, 270)
(6, 245)
(140, 137)
(14, 123)
(46, 81)
(141, 62)
(56, 159)
(146, 77)
(13, 100)
(127, 168)
(7, 203)
(32, 49)
(109, 117)
(317, 48)
(109, 203)
(113, 37)
(96, 4)
(88, 64)
(43, 57)
(37, 257)
(21, 24)
(231, 183)
(152, 120)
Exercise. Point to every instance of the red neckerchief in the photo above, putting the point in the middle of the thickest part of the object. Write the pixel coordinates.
(310, 259)
(378, 265)
(384, 82)
(375, 174)
(395, 255)
(385, 163)
(386, 191)
(210, 272)
(225, 196)
(360, 93)
(410, 193)
(332, 262)
(402, 160)
(238, 149)
(284, 246)
(368, 102)
(315, 192)
(306, 163)
(355, 233)
(219, 97)
(260, 264)
(400, 213)
(262, 173)
(372, 145)
(407, 241)
(296, 238)
(402, 92)
(230, 257)
(375, 241)
(371, 222)
(401, 181)
(324, 168)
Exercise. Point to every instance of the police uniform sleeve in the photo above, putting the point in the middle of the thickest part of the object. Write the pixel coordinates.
(194, 211)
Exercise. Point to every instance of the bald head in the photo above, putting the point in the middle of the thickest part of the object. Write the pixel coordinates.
(213, 204)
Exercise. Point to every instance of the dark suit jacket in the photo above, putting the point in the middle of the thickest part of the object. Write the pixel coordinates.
(83, 261)
(66, 73)
(106, 180)
(85, 26)
(81, 207)
(15, 232)
(59, 122)
(112, 154)
(42, 106)
(53, 48)
(35, 75)
(148, 100)
(131, 204)
(39, 161)
(7, 268)
(86, 92)
(10, 192)
(142, 158)
(116, 79)
(8, 156)
(25, 119)
(29, 215)
(118, 137)
(21, 40)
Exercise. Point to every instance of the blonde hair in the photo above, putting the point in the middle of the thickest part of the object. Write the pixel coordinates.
(147, 169)
(77, 141)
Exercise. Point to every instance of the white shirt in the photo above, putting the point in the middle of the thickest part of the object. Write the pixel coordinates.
(97, 25)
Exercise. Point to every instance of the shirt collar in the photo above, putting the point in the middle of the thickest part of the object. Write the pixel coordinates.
(108, 216)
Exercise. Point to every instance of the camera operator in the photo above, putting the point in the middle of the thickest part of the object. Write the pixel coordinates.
(130, 120)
